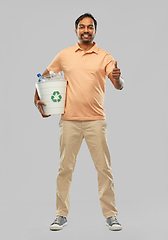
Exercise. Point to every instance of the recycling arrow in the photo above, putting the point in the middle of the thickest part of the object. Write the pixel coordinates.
(56, 96)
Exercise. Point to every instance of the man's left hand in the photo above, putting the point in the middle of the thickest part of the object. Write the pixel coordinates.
(116, 71)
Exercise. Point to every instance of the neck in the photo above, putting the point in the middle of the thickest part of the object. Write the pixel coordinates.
(86, 46)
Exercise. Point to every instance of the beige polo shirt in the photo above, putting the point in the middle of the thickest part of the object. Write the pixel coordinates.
(86, 75)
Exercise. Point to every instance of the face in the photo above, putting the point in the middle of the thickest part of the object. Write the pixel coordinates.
(86, 30)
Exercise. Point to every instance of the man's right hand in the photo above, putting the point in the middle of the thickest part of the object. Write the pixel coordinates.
(39, 105)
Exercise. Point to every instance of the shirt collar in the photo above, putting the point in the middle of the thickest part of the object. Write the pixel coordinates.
(94, 49)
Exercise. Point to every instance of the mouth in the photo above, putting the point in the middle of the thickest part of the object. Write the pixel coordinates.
(86, 35)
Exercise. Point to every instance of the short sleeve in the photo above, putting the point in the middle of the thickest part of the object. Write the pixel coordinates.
(109, 64)
(55, 65)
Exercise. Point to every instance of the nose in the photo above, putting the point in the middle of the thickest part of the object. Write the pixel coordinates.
(86, 29)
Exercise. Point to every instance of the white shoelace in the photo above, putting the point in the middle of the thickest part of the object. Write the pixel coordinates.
(57, 219)
(114, 220)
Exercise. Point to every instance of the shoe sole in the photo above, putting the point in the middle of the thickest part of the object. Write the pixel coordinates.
(114, 227)
(56, 227)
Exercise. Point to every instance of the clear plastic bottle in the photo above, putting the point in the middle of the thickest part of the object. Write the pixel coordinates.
(56, 75)
(51, 76)
(40, 78)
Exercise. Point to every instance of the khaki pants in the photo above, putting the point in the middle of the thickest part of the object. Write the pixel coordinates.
(71, 136)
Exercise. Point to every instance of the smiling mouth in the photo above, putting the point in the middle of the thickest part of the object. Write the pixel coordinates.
(85, 35)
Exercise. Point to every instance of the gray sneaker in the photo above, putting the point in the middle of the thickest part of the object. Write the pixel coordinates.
(113, 224)
(58, 223)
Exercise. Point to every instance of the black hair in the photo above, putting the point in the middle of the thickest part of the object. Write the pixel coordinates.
(83, 16)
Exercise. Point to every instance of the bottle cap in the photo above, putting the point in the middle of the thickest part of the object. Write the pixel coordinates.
(51, 73)
(38, 75)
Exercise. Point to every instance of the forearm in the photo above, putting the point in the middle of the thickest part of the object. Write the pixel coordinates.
(46, 72)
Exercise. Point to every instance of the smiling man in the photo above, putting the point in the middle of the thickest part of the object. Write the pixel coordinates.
(85, 67)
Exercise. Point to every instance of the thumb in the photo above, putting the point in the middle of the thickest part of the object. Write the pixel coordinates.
(115, 64)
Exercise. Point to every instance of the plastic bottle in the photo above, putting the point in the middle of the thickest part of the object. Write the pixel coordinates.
(51, 74)
(40, 78)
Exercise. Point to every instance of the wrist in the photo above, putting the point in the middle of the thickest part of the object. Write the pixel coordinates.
(121, 82)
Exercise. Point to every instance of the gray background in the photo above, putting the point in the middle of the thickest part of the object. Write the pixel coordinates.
(135, 33)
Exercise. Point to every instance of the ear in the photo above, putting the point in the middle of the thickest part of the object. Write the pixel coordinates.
(76, 32)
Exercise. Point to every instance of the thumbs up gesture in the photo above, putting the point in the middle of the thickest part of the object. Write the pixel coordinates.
(116, 71)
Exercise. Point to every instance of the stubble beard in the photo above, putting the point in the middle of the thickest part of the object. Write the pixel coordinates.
(82, 40)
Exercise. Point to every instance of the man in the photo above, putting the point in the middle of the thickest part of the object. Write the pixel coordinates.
(85, 67)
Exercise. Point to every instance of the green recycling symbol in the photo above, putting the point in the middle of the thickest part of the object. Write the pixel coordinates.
(56, 97)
